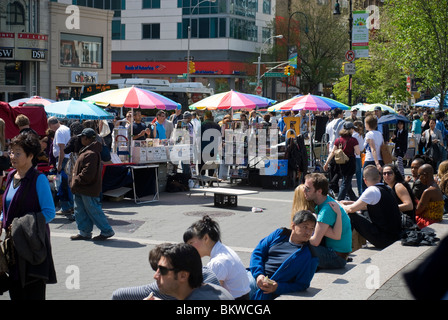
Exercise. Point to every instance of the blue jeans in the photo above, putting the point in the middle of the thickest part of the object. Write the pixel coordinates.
(346, 185)
(328, 259)
(88, 212)
(359, 175)
(66, 205)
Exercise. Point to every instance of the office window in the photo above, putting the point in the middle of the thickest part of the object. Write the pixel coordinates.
(16, 14)
(151, 4)
(267, 6)
(151, 31)
(206, 28)
(206, 7)
(118, 30)
(243, 30)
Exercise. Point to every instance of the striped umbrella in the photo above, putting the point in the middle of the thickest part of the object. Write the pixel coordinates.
(133, 97)
(232, 100)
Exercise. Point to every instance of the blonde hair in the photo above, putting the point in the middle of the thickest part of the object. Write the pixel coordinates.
(442, 173)
(299, 201)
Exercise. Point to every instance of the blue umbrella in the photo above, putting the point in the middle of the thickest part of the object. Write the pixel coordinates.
(392, 118)
(431, 103)
(74, 109)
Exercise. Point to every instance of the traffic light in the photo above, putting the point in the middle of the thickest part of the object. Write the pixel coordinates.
(192, 67)
(289, 71)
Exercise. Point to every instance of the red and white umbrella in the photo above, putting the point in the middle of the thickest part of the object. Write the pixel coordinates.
(232, 100)
(34, 100)
(133, 97)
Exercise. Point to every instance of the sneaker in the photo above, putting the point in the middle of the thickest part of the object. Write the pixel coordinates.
(101, 237)
(79, 237)
(65, 212)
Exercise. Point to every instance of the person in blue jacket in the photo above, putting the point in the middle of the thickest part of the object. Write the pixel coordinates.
(283, 261)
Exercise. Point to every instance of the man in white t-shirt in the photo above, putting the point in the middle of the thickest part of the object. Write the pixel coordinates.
(383, 225)
(61, 137)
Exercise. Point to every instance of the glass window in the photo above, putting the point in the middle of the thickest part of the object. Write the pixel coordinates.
(267, 6)
(81, 51)
(16, 14)
(151, 4)
(151, 31)
(14, 75)
(243, 30)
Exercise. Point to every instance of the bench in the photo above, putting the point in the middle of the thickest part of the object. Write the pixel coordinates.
(370, 269)
(225, 197)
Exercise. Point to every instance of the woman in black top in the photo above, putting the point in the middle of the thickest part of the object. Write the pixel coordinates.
(400, 189)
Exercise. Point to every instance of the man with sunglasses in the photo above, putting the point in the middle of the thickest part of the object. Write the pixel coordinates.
(179, 274)
(382, 227)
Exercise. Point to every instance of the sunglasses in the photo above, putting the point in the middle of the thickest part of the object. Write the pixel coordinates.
(164, 270)
(387, 173)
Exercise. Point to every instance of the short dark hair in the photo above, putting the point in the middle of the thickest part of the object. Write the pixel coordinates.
(184, 257)
(28, 142)
(303, 216)
(202, 227)
(320, 182)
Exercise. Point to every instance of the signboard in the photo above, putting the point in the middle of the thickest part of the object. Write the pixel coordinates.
(350, 55)
(83, 77)
(259, 90)
(360, 34)
(349, 68)
(292, 56)
(274, 74)
(23, 46)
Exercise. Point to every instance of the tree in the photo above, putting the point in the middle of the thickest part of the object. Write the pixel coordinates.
(415, 35)
(322, 40)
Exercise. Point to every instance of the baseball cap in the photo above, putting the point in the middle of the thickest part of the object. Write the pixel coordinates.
(348, 125)
(88, 132)
(187, 114)
(377, 108)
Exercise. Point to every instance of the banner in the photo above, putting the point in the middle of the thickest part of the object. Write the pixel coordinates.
(360, 34)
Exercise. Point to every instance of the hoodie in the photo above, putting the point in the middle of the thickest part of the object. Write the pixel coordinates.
(86, 176)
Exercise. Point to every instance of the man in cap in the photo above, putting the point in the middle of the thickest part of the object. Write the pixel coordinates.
(353, 115)
(86, 186)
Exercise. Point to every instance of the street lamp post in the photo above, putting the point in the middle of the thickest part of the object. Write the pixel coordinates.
(280, 36)
(189, 36)
(287, 42)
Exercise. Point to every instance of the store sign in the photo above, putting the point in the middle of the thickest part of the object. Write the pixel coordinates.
(360, 34)
(23, 46)
(6, 53)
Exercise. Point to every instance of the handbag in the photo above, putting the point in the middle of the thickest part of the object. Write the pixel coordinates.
(339, 155)
(385, 153)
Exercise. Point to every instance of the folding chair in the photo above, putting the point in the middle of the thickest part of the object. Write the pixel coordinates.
(202, 179)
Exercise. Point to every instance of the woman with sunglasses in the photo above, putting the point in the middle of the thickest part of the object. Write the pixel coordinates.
(205, 236)
(401, 190)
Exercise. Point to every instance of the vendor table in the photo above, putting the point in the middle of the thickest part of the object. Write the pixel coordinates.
(226, 197)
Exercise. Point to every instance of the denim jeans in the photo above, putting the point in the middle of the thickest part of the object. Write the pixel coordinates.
(359, 179)
(88, 212)
(66, 205)
(328, 259)
(346, 185)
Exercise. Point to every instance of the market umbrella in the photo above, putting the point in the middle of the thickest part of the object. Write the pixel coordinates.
(371, 107)
(233, 100)
(74, 109)
(132, 97)
(431, 103)
(34, 100)
(392, 118)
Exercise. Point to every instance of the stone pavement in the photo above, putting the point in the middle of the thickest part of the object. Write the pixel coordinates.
(89, 270)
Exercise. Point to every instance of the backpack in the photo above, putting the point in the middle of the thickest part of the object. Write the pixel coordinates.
(339, 155)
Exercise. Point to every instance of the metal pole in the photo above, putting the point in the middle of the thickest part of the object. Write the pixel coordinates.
(350, 21)
(280, 36)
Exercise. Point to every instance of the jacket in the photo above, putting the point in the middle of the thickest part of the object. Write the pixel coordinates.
(294, 274)
(86, 176)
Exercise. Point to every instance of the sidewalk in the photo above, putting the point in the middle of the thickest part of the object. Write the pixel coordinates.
(89, 270)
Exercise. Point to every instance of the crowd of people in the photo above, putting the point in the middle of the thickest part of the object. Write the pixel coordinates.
(325, 210)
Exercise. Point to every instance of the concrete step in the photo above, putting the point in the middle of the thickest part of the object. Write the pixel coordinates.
(370, 269)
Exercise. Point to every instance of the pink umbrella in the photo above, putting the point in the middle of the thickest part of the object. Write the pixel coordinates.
(133, 97)
(34, 100)
(306, 102)
(233, 100)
